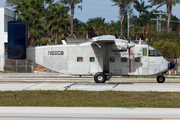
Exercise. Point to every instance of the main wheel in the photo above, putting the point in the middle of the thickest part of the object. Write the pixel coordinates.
(99, 77)
(160, 79)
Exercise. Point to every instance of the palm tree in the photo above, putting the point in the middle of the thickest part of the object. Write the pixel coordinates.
(98, 25)
(57, 18)
(46, 20)
(72, 4)
(77, 27)
(115, 28)
(86, 27)
(140, 7)
(33, 12)
(169, 4)
(26, 12)
(122, 4)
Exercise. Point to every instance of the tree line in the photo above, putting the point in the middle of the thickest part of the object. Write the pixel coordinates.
(49, 23)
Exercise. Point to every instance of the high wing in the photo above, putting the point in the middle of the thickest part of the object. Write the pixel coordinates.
(116, 44)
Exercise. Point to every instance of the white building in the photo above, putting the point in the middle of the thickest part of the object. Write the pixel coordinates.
(5, 16)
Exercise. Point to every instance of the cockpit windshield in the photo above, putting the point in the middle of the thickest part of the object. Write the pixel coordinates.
(153, 52)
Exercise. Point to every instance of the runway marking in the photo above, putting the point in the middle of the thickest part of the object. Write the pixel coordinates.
(31, 86)
(91, 86)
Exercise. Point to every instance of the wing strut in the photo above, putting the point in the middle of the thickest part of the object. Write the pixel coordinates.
(98, 45)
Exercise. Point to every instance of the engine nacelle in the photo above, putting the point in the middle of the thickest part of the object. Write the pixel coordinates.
(121, 46)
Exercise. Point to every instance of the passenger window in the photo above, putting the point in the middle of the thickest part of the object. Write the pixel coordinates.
(80, 59)
(137, 59)
(123, 59)
(112, 59)
(92, 59)
(144, 51)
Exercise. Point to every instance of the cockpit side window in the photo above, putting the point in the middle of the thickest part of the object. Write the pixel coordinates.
(154, 53)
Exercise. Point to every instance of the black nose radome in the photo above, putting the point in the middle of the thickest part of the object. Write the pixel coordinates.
(170, 66)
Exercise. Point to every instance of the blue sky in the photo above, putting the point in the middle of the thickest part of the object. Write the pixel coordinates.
(104, 9)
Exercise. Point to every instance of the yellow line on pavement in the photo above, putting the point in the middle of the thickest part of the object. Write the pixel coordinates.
(171, 119)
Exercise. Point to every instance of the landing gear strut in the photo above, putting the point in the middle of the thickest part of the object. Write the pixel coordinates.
(160, 79)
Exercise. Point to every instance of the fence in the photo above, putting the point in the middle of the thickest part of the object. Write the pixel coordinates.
(24, 66)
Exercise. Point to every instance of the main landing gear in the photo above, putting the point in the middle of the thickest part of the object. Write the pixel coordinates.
(160, 79)
(101, 77)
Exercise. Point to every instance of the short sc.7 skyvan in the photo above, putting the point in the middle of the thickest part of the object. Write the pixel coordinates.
(103, 57)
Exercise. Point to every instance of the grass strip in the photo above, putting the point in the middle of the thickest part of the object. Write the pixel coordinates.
(90, 99)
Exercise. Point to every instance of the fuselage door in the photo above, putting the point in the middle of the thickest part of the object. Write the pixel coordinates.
(145, 60)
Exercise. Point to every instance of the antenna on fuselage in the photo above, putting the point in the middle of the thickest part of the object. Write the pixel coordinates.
(129, 40)
(128, 24)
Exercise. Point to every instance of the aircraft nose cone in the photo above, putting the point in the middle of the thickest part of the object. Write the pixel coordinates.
(170, 66)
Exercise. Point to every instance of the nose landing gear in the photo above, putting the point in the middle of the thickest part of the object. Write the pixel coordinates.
(160, 79)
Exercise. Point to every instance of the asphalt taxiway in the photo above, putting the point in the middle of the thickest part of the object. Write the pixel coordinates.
(17, 86)
(55, 81)
(56, 77)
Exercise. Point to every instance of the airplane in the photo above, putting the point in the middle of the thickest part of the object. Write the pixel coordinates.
(103, 57)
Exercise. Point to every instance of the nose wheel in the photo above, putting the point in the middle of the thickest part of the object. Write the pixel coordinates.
(160, 79)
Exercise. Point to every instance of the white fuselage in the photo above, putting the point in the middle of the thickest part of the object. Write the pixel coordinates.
(88, 59)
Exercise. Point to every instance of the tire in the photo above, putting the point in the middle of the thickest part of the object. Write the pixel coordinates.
(160, 79)
(99, 77)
